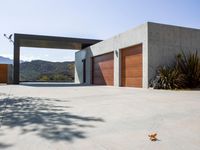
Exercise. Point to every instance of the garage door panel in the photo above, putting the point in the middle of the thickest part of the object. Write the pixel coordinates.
(107, 66)
(99, 82)
(102, 77)
(104, 57)
(103, 69)
(130, 51)
(134, 59)
(102, 81)
(103, 73)
(131, 66)
(133, 81)
(133, 73)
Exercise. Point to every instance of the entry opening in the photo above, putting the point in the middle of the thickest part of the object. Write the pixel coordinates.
(47, 65)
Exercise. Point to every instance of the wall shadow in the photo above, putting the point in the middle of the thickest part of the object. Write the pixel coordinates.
(47, 118)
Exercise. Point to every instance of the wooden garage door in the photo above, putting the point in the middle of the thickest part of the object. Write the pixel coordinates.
(102, 69)
(3, 73)
(131, 66)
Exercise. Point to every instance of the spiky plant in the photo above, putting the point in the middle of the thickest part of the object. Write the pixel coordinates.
(169, 78)
(189, 65)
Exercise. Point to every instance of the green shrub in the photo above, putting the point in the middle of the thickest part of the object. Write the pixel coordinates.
(184, 73)
(169, 78)
(189, 66)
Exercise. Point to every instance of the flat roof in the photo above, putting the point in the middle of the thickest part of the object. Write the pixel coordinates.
(42, 41)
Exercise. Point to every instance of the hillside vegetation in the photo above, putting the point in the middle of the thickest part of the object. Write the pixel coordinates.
(39, 70)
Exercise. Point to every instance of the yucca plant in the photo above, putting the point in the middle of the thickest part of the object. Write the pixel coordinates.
(169, 78)
(189, 65)
(184, 73)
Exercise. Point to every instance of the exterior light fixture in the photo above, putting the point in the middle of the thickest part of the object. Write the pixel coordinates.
(116, 53)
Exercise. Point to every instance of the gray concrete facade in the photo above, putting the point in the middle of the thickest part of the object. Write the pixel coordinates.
(132, 37)
(160, 44)
(165, 41)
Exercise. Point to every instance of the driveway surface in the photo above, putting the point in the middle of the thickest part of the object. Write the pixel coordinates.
(61, 117)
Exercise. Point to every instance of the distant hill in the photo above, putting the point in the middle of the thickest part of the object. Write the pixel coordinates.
(4, 60)
(39, 70)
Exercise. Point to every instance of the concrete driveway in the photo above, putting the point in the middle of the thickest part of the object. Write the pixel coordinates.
(97, 118)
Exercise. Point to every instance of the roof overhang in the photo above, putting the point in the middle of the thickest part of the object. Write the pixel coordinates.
(41, 41)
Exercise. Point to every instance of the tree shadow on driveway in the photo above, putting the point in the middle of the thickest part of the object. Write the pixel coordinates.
(47, 118)
(2, 145)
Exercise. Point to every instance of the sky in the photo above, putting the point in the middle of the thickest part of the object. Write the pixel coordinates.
(93, 19)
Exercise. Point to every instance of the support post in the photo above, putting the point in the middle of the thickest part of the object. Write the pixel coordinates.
(117, 68)
(16, 61)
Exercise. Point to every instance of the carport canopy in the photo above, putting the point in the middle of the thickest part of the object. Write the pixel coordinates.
(41, 41)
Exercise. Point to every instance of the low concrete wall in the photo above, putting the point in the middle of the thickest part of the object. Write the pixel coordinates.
(132, 37)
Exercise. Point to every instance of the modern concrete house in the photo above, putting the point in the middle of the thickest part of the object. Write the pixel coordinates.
(131, 58)
(128, 59)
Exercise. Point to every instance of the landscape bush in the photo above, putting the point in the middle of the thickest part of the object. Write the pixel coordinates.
(189, 66)
(183, 73)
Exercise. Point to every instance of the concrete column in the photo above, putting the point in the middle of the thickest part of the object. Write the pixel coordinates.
(117, 68)
(16, 62)
(88, 70)
(145, 77)
(76, 72)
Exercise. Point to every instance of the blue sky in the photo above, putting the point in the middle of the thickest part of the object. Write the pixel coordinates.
(98, 19)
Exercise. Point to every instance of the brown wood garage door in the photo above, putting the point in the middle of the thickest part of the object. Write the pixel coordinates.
(3, 73)
(103, 69)
(131, 66)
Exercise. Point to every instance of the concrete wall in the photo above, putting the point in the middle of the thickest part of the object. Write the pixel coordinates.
(165, 41)
(132, 37)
